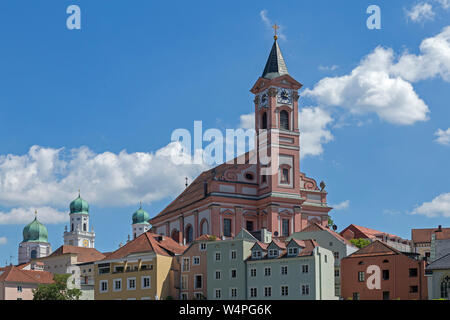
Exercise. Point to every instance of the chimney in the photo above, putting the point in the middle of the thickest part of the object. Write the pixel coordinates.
(439, 229)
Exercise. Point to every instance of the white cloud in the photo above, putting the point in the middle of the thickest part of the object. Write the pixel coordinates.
(313, 123)
(443, 137)
(444, 3)
(3, 240)
(421, 12)
(341, 206)
(46, 215)
(371, 88)
(434, 60)
(51, 177)
(269, 24)
(439, 206)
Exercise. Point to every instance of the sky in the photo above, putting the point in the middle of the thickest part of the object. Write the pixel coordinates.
(94, 109)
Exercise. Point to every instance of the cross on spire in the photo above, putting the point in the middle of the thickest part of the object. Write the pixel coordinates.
(275, 28)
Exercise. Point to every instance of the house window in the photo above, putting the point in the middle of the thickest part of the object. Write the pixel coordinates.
(218, 293)
(146, 282)
(361, 276)
(253, 272)
(185, 264)
(117, 284)
(218, 275)
(202, 246)
(103, 286)
(445, 288)
(131, 283)
(217, 256)
(227, 227)
(196, 261)
(305, 268)
(233, 273)
(292, 251)
(233, 293)
(305, 289)
(413, 272)
(267, 271)
(19, 288)
(184, 282)
(336, 272)
(199, 296)
(249, 225)
(253, 293)
(284, 120)
(233, 255)
(267, 291)
(284, 290)
(184, 296)
(285, 227)
(386, 295)
(198, 283)
(336, 255)
(355, 295)
(385, 274)
(413, 289)
(284, 270)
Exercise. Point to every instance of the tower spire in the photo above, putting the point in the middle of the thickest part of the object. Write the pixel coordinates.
(275, 65)
(275, 28)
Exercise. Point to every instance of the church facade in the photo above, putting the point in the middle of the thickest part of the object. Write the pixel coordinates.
(263, 189)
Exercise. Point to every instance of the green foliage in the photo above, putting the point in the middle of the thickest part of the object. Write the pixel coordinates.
(330, 222)
(360, 243)
(212, 238)
(57, 290)
(169, 298)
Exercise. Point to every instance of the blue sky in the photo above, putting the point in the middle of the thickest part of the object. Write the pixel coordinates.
(95, 108)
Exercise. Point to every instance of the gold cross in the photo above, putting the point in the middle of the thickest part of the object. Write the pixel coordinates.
(275, 27)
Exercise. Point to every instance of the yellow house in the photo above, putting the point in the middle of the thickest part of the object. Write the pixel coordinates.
(143, 269)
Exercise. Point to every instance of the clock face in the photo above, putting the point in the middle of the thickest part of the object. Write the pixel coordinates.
(284, 96)
(264, 99)
(85, 243)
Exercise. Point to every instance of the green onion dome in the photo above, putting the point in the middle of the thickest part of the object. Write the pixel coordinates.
(141, 216)
(79, 205)
(35, 232)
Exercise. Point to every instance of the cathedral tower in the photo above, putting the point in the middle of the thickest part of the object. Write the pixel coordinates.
(35, 242)
(140, 222)
(79, 234)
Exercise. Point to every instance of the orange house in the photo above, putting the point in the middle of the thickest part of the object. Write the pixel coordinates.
(380, 272)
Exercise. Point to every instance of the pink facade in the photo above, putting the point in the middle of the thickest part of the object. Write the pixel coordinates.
(252, 192)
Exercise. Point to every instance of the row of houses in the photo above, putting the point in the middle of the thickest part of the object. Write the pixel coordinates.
(316, 263)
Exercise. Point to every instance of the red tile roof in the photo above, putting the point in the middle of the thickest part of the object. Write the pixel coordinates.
(146, 242)
(367, 232)
(83, 254)
(315, 227)
(15, 274)
(375, 248)
(424, 235)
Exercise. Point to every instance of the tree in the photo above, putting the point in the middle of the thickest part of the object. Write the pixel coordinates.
(360, 243)
(57, 290)
(330, 222)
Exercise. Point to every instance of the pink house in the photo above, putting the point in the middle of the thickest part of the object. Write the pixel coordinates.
(243, 194)
(18, 284)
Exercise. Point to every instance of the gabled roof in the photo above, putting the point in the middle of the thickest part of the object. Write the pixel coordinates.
(318, 227)
(245, 235)
(275, 65)
(424, 235)
(367, 232)
(443, 263)
(148, 242)
(261, 245)
(15, 274)
(83, 254)
(376, 248)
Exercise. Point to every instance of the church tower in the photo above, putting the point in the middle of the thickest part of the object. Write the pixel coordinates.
(35, 242)
(79, 234)
(276, 124)
(140, 222)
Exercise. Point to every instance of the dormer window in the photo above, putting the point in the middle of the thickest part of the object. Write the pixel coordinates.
(273, 253)
(256, 254)
(293, 251)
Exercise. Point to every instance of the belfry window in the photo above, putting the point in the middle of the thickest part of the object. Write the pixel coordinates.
(284, 120)
(264, 121)
(71, 227)
(84, 227)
